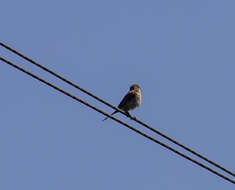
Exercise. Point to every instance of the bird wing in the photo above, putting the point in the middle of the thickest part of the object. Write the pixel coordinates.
(127, 98)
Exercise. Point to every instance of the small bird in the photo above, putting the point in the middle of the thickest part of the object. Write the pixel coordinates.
(130, 101)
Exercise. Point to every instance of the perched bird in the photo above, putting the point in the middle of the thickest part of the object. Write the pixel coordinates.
(130, 101)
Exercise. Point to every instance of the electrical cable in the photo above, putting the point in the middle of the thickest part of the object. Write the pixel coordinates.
(115, 108)
(119, 121)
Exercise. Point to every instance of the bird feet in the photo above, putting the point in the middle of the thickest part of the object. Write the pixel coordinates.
(129, 115)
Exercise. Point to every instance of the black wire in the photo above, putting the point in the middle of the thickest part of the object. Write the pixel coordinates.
(115, 108)
(119, 121)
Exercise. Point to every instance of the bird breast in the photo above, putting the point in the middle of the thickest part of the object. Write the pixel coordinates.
(135, 102)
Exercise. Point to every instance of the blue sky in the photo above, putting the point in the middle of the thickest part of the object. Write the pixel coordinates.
(180, 52)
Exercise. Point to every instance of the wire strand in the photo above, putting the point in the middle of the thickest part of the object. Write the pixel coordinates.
(119, 121)
(115, 108)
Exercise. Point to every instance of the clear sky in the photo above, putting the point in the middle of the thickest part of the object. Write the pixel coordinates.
(181, 53)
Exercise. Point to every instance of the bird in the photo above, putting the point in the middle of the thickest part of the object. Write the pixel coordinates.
(130, 101)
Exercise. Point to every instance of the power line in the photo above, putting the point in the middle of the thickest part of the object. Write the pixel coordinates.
(119, 121)
(115, 108)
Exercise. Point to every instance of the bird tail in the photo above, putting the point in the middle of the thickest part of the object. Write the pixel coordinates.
(111, 114)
